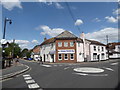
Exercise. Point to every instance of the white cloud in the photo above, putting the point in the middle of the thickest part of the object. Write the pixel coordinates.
(59, 6)
(10, 4)
(117, 11)
(35, 41)
(51, 32)
(96, 20)
(78, 22)
(22, 43)
(101, 35)
(111, 19)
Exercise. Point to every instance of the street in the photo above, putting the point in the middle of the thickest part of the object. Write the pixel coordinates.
(63, 75)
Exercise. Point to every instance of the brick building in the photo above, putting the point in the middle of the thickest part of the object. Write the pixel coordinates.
(68, 48)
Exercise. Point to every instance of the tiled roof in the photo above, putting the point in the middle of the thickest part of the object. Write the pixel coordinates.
(96, 42)
(79, 40)
(112, 45)
(48, 41)
(66, 34)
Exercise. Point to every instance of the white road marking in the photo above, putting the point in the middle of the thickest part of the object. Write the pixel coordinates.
(26, 78)
(33, 86)
(27, 75)
(30, 81)
(114, 63)
(55, 65)
(46, 65)
(66, 68)
(108, 68)
(70, 64)
(84, 74)
(88, 70)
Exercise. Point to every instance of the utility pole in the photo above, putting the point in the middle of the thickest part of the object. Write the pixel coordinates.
(108, 46)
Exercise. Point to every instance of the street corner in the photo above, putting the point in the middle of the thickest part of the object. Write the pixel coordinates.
(14, 71)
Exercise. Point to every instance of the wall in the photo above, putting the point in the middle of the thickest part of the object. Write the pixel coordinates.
(98, 52)
(65, 48)
(80, 56)
(45, 49)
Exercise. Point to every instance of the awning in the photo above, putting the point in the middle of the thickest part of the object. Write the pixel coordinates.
(52, 52)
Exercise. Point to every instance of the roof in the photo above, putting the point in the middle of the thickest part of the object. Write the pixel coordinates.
(66, 34)
(48, 41)
(112, 45)
(96, 42)
(79, 40)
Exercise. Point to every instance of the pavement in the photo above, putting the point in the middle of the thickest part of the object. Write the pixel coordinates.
(14, 70)
(68, 75)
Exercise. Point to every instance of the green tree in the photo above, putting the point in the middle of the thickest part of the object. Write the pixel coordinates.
(14, 49)
(26, 53)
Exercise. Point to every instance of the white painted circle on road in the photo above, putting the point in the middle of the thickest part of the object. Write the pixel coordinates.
(89, 70)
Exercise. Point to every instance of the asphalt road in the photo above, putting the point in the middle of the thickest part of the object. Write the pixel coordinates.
(64, 76)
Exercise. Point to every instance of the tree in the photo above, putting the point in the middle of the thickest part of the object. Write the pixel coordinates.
(26, 53)
(13, 49)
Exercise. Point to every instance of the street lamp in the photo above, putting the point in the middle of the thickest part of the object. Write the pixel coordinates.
(3, 46)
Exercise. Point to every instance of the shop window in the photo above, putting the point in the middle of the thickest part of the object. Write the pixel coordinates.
(71, 44)
(71, 56)
(59, 44)
(66, 56)
(65, 44)
(59, 56)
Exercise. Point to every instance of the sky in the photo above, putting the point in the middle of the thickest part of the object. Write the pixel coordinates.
(32, 21)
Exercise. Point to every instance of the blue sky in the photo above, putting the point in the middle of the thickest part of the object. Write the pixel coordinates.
(32, 21)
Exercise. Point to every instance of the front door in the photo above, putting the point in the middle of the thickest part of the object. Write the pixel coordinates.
(44, 57)
(52, 56)
(98, 57)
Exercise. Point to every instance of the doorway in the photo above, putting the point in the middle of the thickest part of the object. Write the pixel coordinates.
(52, 56)
(44, 57)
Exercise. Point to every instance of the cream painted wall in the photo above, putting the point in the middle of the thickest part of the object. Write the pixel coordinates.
(45, 49)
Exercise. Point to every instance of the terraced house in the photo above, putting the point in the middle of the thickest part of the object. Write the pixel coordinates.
(68, 48)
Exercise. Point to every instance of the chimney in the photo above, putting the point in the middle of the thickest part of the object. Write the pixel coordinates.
(45, 38)
(82, 36)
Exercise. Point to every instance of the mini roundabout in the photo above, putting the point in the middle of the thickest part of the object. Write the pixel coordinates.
(89, 71)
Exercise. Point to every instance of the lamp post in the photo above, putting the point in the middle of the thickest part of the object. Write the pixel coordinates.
(3, 46)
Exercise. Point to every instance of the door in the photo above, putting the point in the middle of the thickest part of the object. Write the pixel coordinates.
(98, 57)
(44, 57)
(52, 56)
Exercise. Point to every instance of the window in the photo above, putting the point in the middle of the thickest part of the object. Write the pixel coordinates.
(98, 48)
(102, 49)
(94, 56)
(71, 44)
(65, 44)
(59, 56)
(102, 56)
(66, 56)
(94, 48)
(78, 44)
(71, 56)
(59, 44)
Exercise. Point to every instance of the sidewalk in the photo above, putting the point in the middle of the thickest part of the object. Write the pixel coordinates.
(12, 71)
